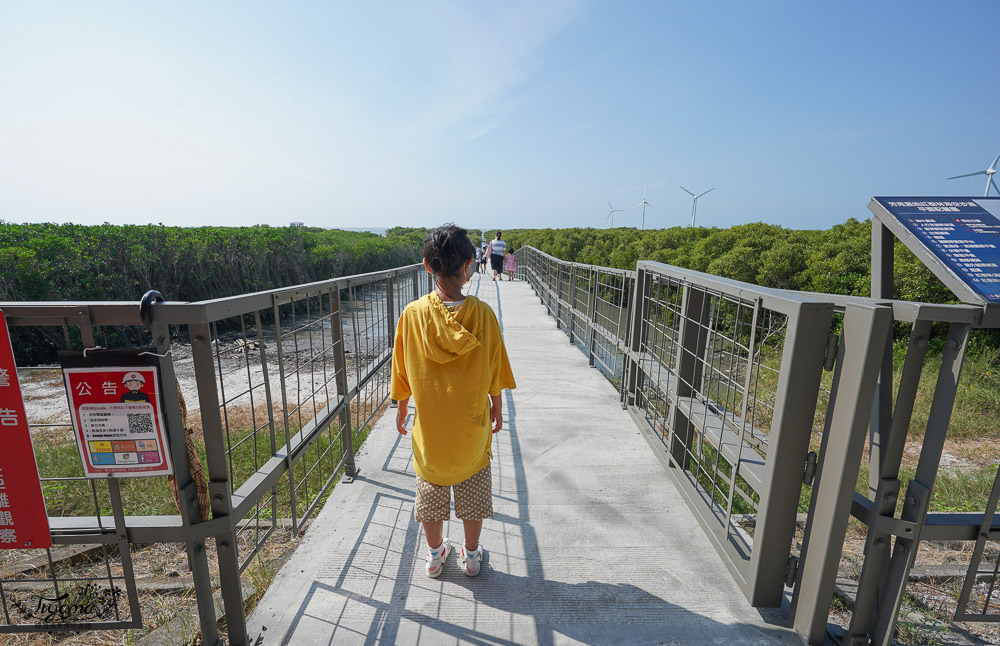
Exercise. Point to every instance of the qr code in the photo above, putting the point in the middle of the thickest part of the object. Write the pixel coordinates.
(140, 423)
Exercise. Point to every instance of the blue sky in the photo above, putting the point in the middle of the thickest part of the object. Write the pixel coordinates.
(512, 114)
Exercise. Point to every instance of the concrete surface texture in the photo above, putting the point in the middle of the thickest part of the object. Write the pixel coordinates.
(590, 542)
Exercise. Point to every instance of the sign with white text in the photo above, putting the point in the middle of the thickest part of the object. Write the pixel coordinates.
(118, 421)
(963, 234)
(24, 522)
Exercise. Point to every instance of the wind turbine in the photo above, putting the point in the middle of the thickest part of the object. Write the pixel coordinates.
(611, 214)
(644, 204)
(989, 172)
(694, 202)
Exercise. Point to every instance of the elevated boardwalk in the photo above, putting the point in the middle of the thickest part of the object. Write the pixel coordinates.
(590, 544)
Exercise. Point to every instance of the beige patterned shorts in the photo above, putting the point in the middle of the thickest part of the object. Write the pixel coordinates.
(473, 499)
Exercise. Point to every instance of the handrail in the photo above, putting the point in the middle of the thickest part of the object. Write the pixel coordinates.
(721, 372)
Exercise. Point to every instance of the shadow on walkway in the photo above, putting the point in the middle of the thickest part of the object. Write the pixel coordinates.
(380, 594)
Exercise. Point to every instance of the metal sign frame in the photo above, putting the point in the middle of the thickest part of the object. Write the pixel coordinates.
(144, 434)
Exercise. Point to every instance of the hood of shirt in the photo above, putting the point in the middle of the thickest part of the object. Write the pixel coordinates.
(444, 337)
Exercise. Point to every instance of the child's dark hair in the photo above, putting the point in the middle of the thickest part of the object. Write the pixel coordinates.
(447, 248)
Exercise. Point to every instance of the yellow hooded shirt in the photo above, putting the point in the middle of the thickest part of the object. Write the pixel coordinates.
(449, 362)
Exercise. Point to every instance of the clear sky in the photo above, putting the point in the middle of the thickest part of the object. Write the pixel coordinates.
(490, 114)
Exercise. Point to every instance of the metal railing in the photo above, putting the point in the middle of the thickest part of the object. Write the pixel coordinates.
(590, 303)
(287, 383)
(759, 401)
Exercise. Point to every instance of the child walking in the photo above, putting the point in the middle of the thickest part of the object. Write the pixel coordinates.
(450, 358)
(510, 263)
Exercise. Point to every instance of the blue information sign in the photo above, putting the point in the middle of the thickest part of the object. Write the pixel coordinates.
(963, 233)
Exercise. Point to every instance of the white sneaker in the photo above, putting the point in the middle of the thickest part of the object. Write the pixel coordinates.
(436, 559)
(472, 560)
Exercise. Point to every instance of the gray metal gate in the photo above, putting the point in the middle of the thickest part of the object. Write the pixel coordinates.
(287, 383)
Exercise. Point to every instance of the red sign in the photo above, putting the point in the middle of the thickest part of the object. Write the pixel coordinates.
(23, 519)
(118, 421)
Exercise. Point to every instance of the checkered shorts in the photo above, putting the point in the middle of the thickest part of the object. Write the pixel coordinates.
(473, 499)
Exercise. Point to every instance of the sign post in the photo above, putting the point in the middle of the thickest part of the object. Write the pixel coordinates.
(24, 522)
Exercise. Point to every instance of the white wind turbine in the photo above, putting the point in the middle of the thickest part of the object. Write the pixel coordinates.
(611, 214)
(694, 202)
(989, 172)
(644, 204)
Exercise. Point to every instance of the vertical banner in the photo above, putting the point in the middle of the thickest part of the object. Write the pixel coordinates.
(24, 522)
(118, 420)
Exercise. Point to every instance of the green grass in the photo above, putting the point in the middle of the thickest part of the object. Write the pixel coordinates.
(977, 401)
(955, 490)
(963, 491)
(152, 496)
(140, 496)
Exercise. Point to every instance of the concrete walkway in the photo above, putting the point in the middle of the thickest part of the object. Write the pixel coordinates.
(590, 544)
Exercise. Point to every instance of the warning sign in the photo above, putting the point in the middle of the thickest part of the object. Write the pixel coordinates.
(23, 520)
(118, 421)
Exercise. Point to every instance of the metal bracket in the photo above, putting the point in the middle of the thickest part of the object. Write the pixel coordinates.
(791, 571)
(894, 526)
(864, 510)
(809, 471)
(149, 299)
(832, 348)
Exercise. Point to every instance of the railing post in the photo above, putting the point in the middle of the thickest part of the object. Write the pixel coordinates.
(802, 359)
(634, 339)
(572, 302)
(918, 491)
(285, 408)
(858, 364)
(883, 246)
(390, 315)
(592, 316)
(218, 482)
(390, 307)
(876, 543)
(558, 295)
(691, 344)
(548, 289)
(343, 387)
(187, 494)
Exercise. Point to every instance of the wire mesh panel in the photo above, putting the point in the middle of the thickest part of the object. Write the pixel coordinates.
(562, 295)
(580, 307)
(89, 584)
(370, 329)
(44, 592)
(720, 385)
(611, 298)
(709, 390)
(309, 335)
